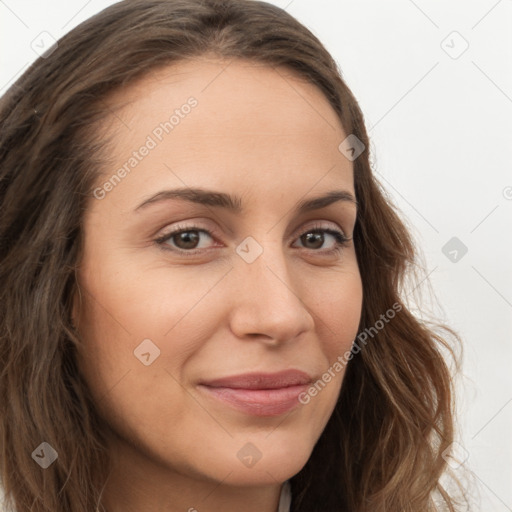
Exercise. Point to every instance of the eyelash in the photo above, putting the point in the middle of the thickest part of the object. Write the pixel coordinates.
(341, 240)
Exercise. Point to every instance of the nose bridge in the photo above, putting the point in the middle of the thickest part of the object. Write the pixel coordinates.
(267, 300)
(263, 264)
(268, 272)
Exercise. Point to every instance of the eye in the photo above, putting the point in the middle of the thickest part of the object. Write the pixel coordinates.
(316, 236)
(184, 239)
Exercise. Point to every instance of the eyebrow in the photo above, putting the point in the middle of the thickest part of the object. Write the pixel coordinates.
(234, 203)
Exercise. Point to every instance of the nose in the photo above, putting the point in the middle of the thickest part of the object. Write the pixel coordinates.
(268, 303)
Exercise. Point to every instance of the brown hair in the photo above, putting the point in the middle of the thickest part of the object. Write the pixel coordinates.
(381, 449)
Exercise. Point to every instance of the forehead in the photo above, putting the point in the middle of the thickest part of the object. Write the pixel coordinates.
(237, 85)
(249, 120)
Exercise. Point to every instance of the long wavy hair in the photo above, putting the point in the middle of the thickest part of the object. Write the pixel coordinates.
(382, 449)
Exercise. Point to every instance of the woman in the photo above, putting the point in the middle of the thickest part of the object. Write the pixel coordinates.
(202, 303)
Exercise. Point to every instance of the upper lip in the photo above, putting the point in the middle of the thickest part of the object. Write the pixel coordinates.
(282, 379)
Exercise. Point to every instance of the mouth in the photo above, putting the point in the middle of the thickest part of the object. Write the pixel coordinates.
(259, 394)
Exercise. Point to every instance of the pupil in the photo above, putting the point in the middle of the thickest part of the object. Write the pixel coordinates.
(314, 236)
(190, 238)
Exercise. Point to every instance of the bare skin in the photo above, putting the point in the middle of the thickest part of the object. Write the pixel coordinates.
(272, 140)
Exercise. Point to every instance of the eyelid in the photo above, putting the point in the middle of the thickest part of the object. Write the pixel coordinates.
(318, 224)
(341, 239)
(167, 235)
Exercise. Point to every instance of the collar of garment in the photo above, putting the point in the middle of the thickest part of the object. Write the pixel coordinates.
(285, 498)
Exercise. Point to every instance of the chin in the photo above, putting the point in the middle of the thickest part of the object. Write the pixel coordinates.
(264, 461)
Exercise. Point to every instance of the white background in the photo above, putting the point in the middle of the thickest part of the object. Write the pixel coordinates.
(441, 127)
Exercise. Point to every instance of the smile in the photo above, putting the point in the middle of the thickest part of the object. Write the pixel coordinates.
(259, 394)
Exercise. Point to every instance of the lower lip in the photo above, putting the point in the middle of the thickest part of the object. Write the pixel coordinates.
(259, 402)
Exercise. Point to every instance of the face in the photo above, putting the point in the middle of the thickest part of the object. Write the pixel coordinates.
(234, 277)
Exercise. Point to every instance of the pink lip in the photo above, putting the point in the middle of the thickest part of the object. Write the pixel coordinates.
(260, 394)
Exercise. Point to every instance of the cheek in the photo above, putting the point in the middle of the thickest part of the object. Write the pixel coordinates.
(338, 305)
(125, 303)
(131, 370)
